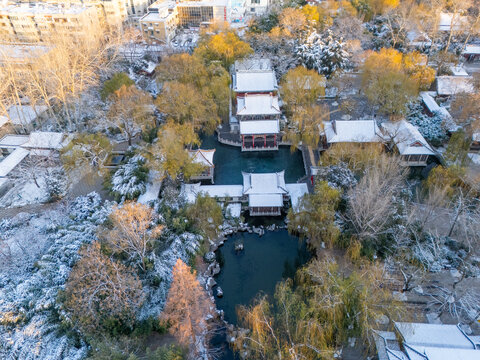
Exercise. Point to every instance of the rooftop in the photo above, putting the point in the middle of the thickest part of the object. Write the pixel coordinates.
(12, 141)
(255, 81)
(21, 53)
(407, 138)
(191, 191)
(358, 131)
(432, 105)
(44, 140)
(269, 183)
(434, 335)
(24, 114)
(451, 85)
(258, 104)
(448, 19)
(12, 160)
(260, 200)
(473, 49)
(259, 127)
(43, 9)
(204, 157)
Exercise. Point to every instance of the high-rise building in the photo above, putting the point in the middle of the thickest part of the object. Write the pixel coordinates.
(111, 13)
(37, 22)
(165, 17)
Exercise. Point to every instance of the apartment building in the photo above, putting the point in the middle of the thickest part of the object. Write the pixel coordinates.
(159, 25)
(110, 13)
(137, 7)
(256, 7)
(34, 22)
(164, 17)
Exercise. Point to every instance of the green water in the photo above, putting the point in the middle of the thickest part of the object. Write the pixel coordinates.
(230, 161)
(264, 262)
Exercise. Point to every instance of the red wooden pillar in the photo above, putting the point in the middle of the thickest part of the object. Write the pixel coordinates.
(264, 140)
(253, 141)
(243, 141)
(275, 140)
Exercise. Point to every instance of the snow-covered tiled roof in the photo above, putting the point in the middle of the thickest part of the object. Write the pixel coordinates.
(204, 157)
(432, 105)
(448, 19)
(192, 190)
(451, 85)
(259, 200)
(255, 81)
(44, 140)
(458, 70)
(268, 183)
(296, 191)
(21, 53)
(407, 138)
(472, 49)
(12, 141)
(258, 104)
(12, 160)
(358, 131)
(256, 127)
(24, 114)
(434, 335)
(438, 353)
(3, 120)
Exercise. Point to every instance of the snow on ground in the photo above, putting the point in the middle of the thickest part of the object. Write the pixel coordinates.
(474, 157)
(24, 193)
(37, 253)
(153, 188)
(234, 210)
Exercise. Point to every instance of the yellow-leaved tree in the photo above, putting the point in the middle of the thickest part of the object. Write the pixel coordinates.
(169, 156)
(391, 80)
(225, 47)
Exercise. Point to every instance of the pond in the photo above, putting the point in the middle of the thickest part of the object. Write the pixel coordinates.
(264, 262)
(230, 161)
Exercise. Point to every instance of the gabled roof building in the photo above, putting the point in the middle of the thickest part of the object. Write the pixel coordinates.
(204, 157)
(414, 150)
(417, 341)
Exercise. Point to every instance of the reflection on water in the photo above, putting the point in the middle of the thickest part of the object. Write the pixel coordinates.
(230, 161)
(265, 261)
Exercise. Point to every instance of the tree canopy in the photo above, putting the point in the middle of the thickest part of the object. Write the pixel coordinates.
(169, 155)
(225, 47)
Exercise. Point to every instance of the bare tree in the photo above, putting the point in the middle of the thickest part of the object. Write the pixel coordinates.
(371, 202)
(134, 231)
(131, 111)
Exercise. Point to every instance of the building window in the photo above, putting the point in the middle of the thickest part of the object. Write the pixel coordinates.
(252, 9)
(255, 1)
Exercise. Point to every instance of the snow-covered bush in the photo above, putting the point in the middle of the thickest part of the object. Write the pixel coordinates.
(129, 181)
(431, 127)
(323, 53)
(55, 184)
(29, 323)
(337, 176)
(183, 247)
